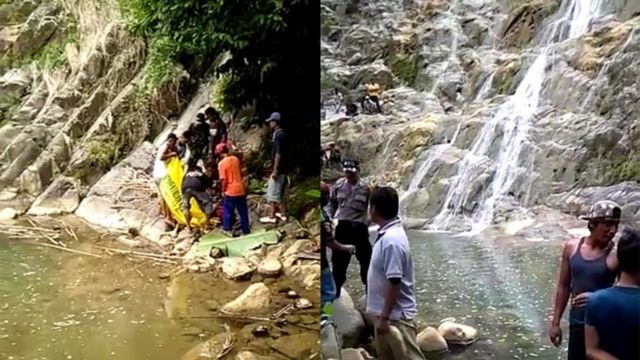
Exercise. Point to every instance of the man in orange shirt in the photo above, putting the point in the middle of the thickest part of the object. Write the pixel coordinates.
(233, 192)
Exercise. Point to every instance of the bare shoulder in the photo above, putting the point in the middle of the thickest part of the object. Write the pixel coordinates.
(570, 247)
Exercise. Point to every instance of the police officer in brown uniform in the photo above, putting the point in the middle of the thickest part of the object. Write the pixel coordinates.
(348, 204)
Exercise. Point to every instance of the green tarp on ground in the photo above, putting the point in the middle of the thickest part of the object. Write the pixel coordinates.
(235, 246)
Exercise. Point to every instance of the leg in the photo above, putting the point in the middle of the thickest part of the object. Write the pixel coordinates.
(363, 249)
(377, 102)
(186, 205)
(243, 211)
(227, 213)
(577, 350)
(409, 333)
(327, 287)
(340, 259)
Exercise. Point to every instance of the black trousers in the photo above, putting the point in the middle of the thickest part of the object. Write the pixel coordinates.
(351, 233)
(577, 348)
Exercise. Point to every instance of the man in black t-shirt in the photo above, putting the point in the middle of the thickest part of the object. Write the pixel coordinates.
(279, 179)
(194, 185)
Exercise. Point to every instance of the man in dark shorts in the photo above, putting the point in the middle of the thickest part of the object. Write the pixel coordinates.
(612, 329)
(348, 203)
(195, 185)
(587, 265)
(279, 179)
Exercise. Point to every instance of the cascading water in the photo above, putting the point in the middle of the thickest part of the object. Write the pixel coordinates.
(486, 87)
(514, 118)
(453, 45)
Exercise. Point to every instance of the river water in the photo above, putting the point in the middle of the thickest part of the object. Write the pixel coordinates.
(502, 287)
(59, 305)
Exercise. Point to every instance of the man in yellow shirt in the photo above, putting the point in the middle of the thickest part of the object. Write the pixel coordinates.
(373, 92)
(233, 190)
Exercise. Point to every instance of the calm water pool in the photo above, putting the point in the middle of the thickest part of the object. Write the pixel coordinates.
(504, 288)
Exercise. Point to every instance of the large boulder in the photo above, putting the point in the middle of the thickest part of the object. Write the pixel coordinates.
(298, 346)
(525, 19)
(62, 196)
(430, 340)
(458, 334)
(255, 298)
(100, 211)
(236, 268)
(356, 354)
(270, 268)
(7, 214)
(348, 319)
(36, 31)
(208, 350)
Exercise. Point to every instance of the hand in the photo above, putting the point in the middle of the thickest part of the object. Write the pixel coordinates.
(555, 334)
(350, 249)
(274, 174)
(383, 326)
(580, 300)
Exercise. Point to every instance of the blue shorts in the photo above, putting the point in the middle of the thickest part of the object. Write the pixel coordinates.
(327, 287)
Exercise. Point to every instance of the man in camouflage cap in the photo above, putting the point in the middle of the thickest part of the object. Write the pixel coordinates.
(588, 264)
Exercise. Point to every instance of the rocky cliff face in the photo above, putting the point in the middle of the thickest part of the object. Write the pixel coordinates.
(70, 107)
(492, 107)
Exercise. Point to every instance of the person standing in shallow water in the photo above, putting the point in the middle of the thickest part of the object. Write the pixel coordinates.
(391, 296)
(348, 204)
(612, 320)
(587, 265)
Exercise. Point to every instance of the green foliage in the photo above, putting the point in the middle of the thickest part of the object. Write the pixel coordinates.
(271, 43)
(8, 106)
(405, 68)
(103, 152)
(218, 94)
(298, 200)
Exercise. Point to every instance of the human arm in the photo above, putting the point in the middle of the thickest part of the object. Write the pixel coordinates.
(591, 342)
(562, 295)
(593, 316)
(331, 241)
(223, 177)
(394, 258)
(167, 152)
(332, 206)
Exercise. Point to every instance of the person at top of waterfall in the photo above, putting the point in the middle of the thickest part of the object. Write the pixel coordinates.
(166, 151)
(612, 320)
(339, 98)
(391, 295)
(327, 285)
(233, 191)
(200, 138)
(351, 109)
(279, 179)
(587, 265)
(195, 184)
(348, 204)
(218, 127)
(372, 89)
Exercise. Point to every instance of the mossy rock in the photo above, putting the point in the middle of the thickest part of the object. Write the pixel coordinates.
(405, 68)
(524, 20)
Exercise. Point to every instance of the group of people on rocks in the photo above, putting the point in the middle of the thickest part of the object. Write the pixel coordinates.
(370, 98)
(221, 189)
(601, 278)
(386, 267)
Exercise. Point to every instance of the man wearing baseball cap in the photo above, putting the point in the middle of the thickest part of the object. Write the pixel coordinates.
(348, 204)
(587, 265)
(279, 179)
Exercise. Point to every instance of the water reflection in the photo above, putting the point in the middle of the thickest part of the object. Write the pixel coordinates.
(55, 305)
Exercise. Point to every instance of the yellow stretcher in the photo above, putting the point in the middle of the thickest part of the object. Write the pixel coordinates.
(170, 189)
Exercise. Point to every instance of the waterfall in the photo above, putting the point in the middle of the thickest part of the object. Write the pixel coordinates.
(486, 87)
(514, 117)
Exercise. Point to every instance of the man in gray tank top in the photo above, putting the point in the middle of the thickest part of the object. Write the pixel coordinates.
(587, 265)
